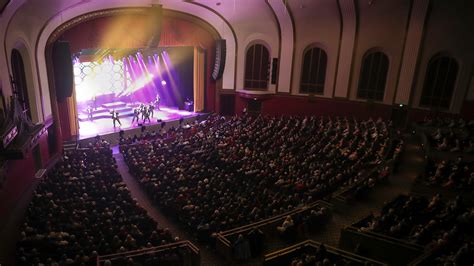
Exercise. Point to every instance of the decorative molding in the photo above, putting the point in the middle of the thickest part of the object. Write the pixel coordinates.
(90, 16)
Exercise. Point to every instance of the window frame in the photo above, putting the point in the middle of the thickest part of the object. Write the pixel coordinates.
(260, 79)
(374, 94)
(435, 101)
(322, 54)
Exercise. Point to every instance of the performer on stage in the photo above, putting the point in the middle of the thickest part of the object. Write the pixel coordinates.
(94, 102)
(142, 110)
(151, 107)
(157, 102)
(136, 115)
(146, 113)
(115, 117)
(89, 112)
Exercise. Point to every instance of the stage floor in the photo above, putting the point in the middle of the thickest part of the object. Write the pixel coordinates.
(101, 126)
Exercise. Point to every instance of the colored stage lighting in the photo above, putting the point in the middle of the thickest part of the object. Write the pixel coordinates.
(163, 82)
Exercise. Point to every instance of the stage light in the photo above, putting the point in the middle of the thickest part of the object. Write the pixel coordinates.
(163, 82)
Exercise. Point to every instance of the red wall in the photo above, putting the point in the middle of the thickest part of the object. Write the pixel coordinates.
(299, 105)
(19, 176)
(467, 110)
(302, 105)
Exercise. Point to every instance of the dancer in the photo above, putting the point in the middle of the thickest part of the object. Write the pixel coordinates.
(142, 110)
(94, 102)
(136, 115)
(157, 102)
(115, 117)
(151, 107)
(146, 113)
(89, 113)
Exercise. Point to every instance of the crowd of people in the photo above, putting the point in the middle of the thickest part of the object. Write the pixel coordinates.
(82, 209)
(451, 135)
(170, 257)
(227, 172)
(456, 174)
(427, 222)
(321, 256)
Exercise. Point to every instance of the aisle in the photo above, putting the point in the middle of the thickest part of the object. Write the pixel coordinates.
(208, 256)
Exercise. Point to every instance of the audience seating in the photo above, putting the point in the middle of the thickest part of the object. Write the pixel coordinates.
(451, 174)
(305, 220)
(83, 209)
(228, 172)
(178, 253)
(412, 224)
(311, 253)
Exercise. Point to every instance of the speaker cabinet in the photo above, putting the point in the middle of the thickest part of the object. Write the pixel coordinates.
(219, 62)
(63, 72)
(274, 71)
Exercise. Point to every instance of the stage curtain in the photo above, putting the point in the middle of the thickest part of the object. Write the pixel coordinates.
(73, 116)
(199, 77)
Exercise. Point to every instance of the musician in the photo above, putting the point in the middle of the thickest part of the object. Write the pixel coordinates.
(136, 115)
(115, 117)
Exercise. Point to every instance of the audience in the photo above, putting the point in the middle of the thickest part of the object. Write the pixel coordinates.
(320, 256)
(450, 135)
(227, 172)
(426, 222)
(82, 209)
(450, 174)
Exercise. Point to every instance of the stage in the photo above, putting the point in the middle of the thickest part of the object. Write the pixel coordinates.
(101, 123)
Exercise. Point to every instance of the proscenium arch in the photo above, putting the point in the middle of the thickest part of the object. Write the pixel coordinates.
(91, 7)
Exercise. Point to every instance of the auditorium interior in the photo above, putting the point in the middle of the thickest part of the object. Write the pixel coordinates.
(236, 132)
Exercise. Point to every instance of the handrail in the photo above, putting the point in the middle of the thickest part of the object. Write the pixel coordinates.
(277, 217)
(312, 243)
(386, 238)
(143, 251)
(223, 235)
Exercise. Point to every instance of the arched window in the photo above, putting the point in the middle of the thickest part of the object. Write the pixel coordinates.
(373, 76)
(257, 63)
(439, 82)
(19, 78)
(313, 72)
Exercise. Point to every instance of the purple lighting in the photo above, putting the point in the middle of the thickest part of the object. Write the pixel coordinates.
(130, 82)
